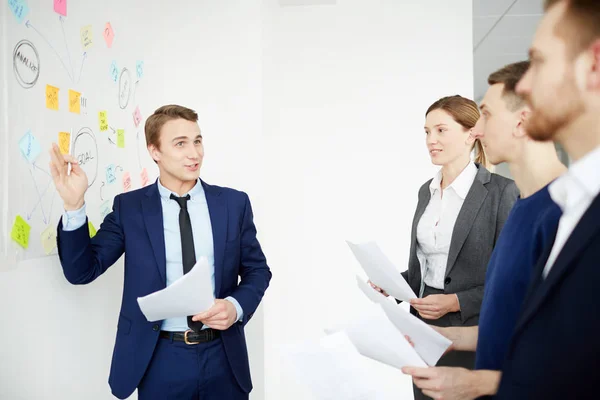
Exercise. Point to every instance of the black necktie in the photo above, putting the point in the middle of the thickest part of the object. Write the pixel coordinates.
(188, 253)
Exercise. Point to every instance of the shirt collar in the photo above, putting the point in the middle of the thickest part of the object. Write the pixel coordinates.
(461, 185)
(194, 193)
(582, 180)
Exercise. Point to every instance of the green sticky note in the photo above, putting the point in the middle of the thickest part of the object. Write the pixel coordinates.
(20, 232)
(91, 229)
(121, 138)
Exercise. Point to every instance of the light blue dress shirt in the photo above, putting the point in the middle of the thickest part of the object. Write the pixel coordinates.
(203, 240)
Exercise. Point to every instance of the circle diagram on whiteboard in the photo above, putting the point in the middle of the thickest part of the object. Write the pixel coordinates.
(26, 64)
(85, 150)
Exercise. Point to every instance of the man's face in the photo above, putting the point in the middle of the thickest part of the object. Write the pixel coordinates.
(497, 126)
(181, 151)
(549, 84)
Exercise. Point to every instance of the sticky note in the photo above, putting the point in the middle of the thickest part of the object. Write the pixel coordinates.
(105, 209)
(139, 68)
(64, 142)
(60, 6)
(91, 229)
(103, 119)
(137, 116)
(30, 147)
(121, 138)
(20, 232)
(114, 72)
(19, 9)
(144, 177)
(74, 101)
(108, 34)
(126, 182)
(87, 37)
(110, 174)
(49, 239)
(52, 97)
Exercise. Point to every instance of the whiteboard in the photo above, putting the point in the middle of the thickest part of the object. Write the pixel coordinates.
(76, 80)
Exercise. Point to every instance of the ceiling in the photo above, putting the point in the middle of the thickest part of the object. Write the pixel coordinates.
(502, 33)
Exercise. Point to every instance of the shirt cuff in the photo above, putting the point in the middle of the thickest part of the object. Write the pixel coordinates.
(238, 308)
(73, 220)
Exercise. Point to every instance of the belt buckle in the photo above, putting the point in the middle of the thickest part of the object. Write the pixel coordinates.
(185, 337)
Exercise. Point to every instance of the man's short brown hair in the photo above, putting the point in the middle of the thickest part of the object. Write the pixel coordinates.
(161, 116)
(509, 76)
(580, 26)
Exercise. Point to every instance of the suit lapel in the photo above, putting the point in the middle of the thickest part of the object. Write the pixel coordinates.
(153, 219)
(584, 231)
(467, 215)
(424, 197)
(217, 209)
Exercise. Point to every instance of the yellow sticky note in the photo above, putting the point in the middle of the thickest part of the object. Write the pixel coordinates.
(103, 119)
(74, 101)
(20, 232)
(91, 229)
(52, 97)
(87, 37)
(121, 138)
(49, 239)
(64, 142)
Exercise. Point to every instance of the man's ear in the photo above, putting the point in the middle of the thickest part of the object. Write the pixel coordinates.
(523, 116)
(593, 81)
(154, 152)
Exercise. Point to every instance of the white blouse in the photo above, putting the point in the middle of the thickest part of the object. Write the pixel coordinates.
(434, 231)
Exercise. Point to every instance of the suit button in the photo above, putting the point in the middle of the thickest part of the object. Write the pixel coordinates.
(447, 280)
(155, 327)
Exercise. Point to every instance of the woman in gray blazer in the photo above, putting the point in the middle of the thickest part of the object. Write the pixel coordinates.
(458, 219)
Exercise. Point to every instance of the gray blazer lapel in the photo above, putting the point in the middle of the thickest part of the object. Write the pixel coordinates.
(467, 215)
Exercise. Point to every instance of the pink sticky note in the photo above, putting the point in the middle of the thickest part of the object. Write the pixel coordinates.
(108, 34)
(137, 116)
(126, 182)
(60, 6)
(144, 177)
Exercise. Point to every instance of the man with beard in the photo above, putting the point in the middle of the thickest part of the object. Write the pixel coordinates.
(554, 352)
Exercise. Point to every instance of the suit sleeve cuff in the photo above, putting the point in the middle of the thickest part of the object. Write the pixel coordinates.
(73, 220)
(238, 308)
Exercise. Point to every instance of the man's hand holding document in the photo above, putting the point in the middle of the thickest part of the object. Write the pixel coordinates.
(381, 271)
(189, 295)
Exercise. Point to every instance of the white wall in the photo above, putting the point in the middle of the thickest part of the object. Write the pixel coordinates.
(346, 90)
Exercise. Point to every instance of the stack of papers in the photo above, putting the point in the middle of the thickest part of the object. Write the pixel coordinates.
(189, 295)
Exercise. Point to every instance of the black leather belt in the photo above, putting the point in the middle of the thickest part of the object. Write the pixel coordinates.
(191, 337)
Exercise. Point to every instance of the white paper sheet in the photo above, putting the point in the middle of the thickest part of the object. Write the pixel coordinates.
(381, 271)
(429, 344)
(189, 295)
(374, 336)
(332, 369)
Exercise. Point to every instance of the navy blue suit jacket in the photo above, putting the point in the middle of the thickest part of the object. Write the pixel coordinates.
(135, 227)
(555, 349)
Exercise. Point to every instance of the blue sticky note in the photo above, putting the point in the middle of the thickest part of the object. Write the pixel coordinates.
(110, 174)
(114, 72)
(139, 67)
(19, 9)
(30, 147)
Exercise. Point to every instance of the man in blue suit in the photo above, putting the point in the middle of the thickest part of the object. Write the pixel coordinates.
(163, 229)
(555, 351)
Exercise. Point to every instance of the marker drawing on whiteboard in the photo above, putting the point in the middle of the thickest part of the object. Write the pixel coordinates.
(62, 25)
(29, 25)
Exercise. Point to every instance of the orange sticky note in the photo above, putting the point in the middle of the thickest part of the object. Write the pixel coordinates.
(64, 142)
(126, 182)
(144, 177)
(108, 34)
(49, 239)
(20, 232)
(91, 229)
(103, 118)
(52, 97)
(74, 101)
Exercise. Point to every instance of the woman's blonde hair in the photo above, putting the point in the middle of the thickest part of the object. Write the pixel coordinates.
(465, 112)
